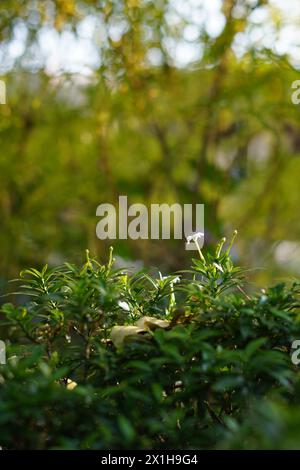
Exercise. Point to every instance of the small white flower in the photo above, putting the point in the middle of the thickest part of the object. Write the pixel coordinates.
(124, 305)
(173, 281)
(71, 384)
(194, 237)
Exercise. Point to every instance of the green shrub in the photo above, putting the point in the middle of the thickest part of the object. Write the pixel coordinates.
(100, 359)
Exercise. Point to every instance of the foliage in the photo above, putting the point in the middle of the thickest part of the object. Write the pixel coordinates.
(195, 362)
(218, 129)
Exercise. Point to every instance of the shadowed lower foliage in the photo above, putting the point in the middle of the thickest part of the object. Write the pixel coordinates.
(100, 359)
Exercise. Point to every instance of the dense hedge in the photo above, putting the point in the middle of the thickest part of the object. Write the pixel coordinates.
(102, 359)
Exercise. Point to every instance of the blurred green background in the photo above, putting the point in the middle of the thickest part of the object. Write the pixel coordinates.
(164, 101)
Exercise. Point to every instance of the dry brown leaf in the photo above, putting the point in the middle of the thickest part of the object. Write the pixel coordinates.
(151, 323)
(120, 333)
